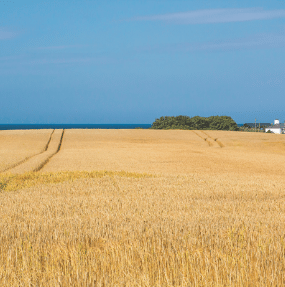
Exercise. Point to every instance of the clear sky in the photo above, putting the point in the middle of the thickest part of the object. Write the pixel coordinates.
(131, 61)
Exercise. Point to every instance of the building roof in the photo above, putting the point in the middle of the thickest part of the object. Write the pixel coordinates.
(278, 126)
(252, 125)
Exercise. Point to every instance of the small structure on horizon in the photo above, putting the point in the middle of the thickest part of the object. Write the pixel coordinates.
(277, 128)
(257, 125)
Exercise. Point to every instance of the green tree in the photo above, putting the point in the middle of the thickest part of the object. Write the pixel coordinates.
(195, 123)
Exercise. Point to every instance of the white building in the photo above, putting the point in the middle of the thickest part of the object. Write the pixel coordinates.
(277, 128)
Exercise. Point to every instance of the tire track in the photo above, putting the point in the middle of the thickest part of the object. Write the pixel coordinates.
(37, 162)
(220, 143)
(205, 139)
(48, 159)
(48, 142)
(29, 157)
(215, 139)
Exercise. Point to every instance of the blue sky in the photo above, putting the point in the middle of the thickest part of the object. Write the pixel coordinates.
(130, 61)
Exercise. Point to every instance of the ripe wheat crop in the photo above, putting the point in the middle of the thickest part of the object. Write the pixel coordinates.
(39, 160)
(170, 152)
(16, 146)
(164, 208)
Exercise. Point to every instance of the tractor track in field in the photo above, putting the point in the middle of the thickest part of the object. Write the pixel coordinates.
(205, 139)
(36, 162)
(48, 159)
(29, 157)
(46, 148)
(209, 139)
(215, 139)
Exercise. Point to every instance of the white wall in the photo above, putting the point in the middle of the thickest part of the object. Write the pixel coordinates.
(274, 130)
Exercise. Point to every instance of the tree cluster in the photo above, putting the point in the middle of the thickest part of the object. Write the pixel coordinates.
(196, 123)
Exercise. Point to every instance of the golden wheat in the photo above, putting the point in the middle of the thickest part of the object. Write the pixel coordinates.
(16, 146)
(217, 222)
(37, 162)
(169, 152)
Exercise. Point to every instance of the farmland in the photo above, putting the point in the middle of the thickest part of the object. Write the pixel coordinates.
(142, 208)
(18, 146)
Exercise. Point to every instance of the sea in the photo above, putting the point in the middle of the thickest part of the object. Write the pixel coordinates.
(72, 126)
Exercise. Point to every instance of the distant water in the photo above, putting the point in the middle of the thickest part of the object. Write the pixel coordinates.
(71, 126)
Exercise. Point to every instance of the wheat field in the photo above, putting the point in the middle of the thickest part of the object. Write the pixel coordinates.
(148, 208)
(17, 146)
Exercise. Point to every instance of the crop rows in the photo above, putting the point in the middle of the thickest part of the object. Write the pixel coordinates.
(16, 147)
(146, 208)
(132, 230)
(36, 162)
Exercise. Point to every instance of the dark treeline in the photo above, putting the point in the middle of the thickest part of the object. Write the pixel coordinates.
(196, 123)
